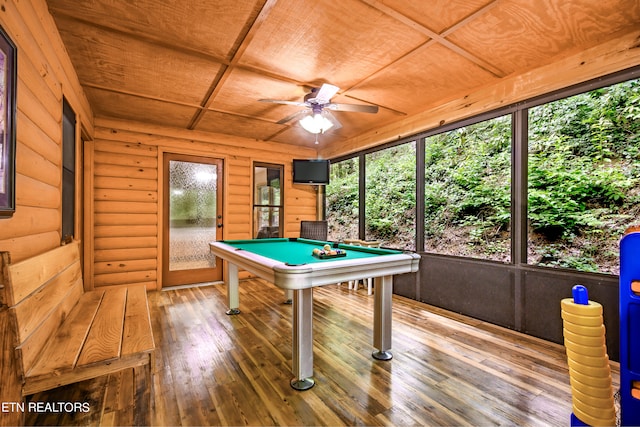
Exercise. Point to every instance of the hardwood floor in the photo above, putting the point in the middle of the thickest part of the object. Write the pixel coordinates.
(448, 369)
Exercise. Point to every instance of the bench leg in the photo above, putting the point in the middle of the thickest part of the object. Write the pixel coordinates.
(11, 389)
(143, 383)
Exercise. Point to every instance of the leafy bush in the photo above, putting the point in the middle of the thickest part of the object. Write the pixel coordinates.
(583, 184)
(391, 194)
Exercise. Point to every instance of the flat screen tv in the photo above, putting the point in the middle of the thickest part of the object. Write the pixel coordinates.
(312, 171)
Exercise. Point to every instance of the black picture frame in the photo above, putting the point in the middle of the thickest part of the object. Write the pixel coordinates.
(8, 82)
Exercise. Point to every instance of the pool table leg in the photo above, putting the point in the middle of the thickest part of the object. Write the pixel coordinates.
(233, 297)
(382, 317)
(302, 352)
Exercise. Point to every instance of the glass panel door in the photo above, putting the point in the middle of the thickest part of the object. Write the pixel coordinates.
(193, 218)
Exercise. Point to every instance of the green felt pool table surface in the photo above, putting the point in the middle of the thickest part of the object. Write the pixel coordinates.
(300, 251)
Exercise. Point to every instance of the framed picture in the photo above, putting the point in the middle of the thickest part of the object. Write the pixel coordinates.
(8, 78)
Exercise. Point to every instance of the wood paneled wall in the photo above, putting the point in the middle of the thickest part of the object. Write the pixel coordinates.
(125, 213)
(124, 194)
(45, 77)
(237, 221)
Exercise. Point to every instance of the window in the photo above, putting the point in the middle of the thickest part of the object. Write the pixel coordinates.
(342, 195)
(267, 200)
(390, 196)
(584, 177)
(577, 190)
(468, 191)
(68, 171)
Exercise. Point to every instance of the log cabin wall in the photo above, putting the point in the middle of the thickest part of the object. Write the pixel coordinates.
(124, 215)
(123, 194)
(45, 77)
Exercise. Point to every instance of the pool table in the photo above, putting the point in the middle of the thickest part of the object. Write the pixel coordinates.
(290, 264)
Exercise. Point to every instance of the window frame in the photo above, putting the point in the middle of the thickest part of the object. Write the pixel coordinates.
(254, 205)
(69, 171)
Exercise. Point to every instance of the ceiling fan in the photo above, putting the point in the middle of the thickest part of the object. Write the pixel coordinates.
(315, 118)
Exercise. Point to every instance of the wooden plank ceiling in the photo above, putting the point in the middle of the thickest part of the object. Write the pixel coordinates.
(203, 64)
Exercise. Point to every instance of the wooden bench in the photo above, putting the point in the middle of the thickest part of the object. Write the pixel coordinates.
(64, 335)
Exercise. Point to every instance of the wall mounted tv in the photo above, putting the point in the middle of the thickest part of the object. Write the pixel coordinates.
(312, 171)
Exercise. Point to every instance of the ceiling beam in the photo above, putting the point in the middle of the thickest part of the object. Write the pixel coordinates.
(441, 38)
(174, 102)
(245, 39)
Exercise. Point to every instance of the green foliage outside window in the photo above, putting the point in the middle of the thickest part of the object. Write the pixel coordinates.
(584, 177)
(468, 191)
(342, 200)
(583, 185)
(390, 201)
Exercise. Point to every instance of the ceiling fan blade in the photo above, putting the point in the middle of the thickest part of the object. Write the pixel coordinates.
(280, 101)
(353, 107)
(293, 116)
(332, 119)
(324, 94)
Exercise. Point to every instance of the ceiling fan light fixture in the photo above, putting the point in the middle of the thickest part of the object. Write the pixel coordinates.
(316, 117)
(316, 123)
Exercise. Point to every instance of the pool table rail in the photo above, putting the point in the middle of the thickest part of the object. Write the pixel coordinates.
(302, 276)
